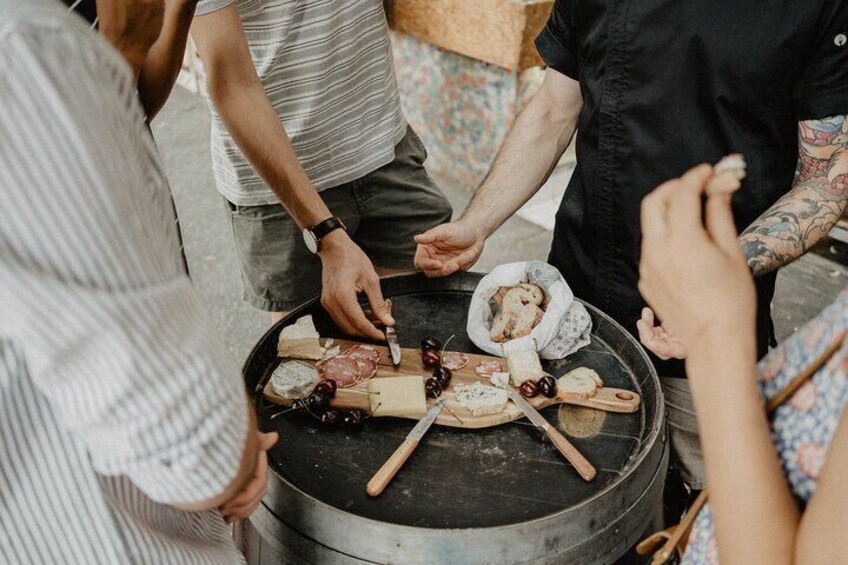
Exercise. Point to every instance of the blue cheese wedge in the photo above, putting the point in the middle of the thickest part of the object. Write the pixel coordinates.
(524, 365)
(300, 341)
(480, 399)
(293, 380)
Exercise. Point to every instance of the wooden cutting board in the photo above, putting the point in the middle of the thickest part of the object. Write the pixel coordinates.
(608, 399)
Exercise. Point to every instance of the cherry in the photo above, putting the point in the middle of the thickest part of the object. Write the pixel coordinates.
(331, 417)
(431, 358)
(317, 401)
(353, 418)
(547, 386)
(432, 387)
(430, 343)
(443, 375)
(298, 404)
(528, 389)
(327, 388)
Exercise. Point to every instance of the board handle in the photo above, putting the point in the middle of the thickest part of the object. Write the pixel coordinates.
(584, 468)
(606, 399)
(387, 472)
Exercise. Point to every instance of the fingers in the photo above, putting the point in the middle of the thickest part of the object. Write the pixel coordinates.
(378, 303)
(435, 234)
(249, 499)
(357, 318)
(648, 337)
(654, 210)
(720, 223)
(684, 209)
(267, 440)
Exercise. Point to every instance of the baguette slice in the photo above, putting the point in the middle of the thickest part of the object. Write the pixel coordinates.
(525, 321)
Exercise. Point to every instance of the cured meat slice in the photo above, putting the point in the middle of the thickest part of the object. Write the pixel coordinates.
(454, 360)
(488, 367)
(367, 368)
(344, 370)
(362, 352)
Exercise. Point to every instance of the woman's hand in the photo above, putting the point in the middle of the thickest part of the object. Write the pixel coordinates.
(692, 271)
(658, 338)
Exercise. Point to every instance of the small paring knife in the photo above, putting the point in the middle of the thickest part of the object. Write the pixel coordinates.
(394, 346)
(565, 447)
(387, 472)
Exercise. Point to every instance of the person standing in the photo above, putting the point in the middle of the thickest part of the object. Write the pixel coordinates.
(107, 454)
(651, 87)
(319, 171)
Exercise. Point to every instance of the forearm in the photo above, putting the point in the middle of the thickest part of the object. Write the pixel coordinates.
(257, 130)
(529, 154)
(806, 214)
(755, 516)
(163, 62)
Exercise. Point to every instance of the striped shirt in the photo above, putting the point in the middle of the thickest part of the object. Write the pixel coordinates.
(116, 400)
(326, 66)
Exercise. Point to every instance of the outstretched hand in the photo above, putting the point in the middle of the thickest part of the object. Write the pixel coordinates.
(658, 339)
(448, 248)
(346, 272)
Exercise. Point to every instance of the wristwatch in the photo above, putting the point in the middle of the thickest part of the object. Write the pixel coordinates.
(312, 236)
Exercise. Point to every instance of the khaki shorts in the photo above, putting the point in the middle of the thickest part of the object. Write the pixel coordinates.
(383, 211)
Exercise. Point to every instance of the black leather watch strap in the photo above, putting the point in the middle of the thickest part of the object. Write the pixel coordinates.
(321, 229)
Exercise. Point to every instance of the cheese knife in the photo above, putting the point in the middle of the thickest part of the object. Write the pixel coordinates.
(387, 472)
(565, 447)
(394, 346)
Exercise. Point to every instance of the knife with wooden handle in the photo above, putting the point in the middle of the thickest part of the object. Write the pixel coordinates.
(387, 472)
(565, 447)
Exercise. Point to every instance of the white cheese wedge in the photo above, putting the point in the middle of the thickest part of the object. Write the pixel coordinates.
(480, 399)
(398, 396)
(524, 365)
(300, 341)
(293, 380)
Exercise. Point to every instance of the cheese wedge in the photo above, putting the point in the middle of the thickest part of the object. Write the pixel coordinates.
(398, 396)
(524, 365)
(300, 341)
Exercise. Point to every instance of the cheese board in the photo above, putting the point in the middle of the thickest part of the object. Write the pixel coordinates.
(358, 396)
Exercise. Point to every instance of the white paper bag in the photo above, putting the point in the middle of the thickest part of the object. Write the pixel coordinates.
(565, 327)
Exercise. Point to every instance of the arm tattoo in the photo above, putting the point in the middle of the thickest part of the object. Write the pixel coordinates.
(807, 212)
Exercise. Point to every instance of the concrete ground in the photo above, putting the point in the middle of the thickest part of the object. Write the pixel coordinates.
(182, 134)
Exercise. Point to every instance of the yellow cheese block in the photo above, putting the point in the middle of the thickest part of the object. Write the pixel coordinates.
(398, 396)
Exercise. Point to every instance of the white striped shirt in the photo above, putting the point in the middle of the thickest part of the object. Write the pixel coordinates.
(327, 69)
(116, 400)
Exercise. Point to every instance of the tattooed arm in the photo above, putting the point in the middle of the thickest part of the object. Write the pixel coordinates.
(806, 213)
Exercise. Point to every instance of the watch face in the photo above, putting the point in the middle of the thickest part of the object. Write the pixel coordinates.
(310, 240)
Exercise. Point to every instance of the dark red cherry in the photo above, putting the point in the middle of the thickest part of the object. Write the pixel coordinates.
(528, 389)
(431, 358)
(327, 388)
(432, 387)
(353, 418)
(317, 402)
(443, 375)
(331, 417)
(547, 386)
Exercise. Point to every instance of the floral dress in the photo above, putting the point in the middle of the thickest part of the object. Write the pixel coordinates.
(803, 426)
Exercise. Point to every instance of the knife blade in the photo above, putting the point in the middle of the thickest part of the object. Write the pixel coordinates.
(394, 346)
(387, 472)
(565, 447)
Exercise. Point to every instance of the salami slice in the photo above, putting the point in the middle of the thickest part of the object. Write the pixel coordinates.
(362, 352)
(367, 368)
(344, 370)
(454, 360)
(489, 367)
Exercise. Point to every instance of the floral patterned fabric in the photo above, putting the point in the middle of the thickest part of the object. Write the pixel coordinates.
(803, 426)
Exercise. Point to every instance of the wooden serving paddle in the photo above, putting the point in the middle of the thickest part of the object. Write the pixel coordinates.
(358, 395)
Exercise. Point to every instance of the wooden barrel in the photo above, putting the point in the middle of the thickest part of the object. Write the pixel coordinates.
(497, 495)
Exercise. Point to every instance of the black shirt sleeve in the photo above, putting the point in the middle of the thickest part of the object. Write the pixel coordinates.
(822, 89)
(556, 44)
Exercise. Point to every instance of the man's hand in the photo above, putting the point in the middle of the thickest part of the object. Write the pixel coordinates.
(247, 500)
(658, 339)
(448, 248)
(346, 272)
(693, 273)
